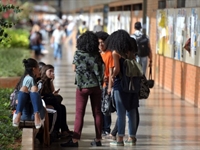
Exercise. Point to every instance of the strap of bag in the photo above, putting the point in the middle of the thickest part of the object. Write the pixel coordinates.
(150, 73)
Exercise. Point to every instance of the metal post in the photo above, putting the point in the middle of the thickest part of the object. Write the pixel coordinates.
(144, 9)
(59, 11)
(105, 17)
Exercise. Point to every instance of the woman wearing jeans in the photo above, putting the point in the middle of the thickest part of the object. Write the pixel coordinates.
(89, 68)
(126, 103)
(29, 106)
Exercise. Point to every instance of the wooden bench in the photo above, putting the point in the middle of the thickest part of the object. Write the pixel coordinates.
(28, 134)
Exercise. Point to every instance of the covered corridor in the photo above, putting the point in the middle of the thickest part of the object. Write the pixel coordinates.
(166, 121)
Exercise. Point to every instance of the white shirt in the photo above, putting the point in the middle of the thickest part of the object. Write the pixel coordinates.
(58, 35)
(137, 33)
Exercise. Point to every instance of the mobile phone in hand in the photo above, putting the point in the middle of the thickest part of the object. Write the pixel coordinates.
(56, 91)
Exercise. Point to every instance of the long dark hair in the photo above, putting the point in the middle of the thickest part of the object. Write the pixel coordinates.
(29, 64)
(46, 82)
(120, 41)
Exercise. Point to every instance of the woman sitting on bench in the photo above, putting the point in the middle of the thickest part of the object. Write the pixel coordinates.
(29, 106)
(51, 97)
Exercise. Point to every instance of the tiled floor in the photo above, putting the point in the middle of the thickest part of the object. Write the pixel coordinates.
(166, 121)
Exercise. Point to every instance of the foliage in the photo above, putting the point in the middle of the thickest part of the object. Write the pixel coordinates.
(8, 133)
(5, 23)
(11, 61)
(17, 38)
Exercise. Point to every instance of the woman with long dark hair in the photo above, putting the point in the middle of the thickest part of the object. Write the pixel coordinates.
(29, 105)
(123, 46)
(51, 97)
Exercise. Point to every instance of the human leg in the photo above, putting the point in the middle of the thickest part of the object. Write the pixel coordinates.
(143, 62)
(64, 126)
(115, 129)
(55, 52)
(121, 113)
(23, 98)
(38, 109)
(133, 116)
(59, 54)
(95, 98)
(106, 124)
(81, 101)
(50, 99)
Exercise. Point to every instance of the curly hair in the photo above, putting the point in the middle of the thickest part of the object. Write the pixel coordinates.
(88, 42)
(102, 35)
(120, 41)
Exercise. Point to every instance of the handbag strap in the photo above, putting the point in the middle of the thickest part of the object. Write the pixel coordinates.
(150, 73)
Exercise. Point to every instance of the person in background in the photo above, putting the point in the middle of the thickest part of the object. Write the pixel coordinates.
(143, 59)
(98, 27)
(29, 106)
(109, 65)
(35, 42)
(89, 68)
(121, 45)
(57, 39)
(82, 29)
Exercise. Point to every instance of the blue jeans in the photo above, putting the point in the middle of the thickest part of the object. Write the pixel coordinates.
(133, 116)
(143, 63)
(106, 123)
(106, 119)
(57, 50)
(29, 104)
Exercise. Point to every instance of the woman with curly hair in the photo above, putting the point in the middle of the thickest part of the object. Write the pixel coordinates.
(123, 46)
(89, 68)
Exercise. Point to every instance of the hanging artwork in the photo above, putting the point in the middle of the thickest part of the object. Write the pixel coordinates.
(178, 34)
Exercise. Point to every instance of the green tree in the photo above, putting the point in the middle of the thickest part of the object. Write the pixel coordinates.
(6, 23)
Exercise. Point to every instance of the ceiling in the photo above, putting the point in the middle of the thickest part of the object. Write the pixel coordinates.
(70, 5)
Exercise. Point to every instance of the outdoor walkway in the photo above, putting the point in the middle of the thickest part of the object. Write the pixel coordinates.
(166, 121)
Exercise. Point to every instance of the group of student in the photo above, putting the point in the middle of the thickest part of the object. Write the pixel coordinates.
(36, 92)
(98, 63)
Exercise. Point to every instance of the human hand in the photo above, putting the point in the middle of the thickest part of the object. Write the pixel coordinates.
(52, 77)
(56, 92)
(109, 91)
(105, 79)
(150, 63)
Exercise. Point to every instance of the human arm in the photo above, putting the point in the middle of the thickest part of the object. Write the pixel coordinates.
(110, 81)
(150, 55)
(52, 39)
(116, 68)
(63, 37)
(73, 67)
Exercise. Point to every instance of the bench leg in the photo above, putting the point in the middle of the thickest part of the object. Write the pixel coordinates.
(27, 139)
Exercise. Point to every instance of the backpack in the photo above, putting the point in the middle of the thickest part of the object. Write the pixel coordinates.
(143, 45)
(130, 78)
(144, 88)
(13, 98)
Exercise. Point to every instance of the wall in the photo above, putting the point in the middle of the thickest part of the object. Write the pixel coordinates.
(176, 76)
(9, 82)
